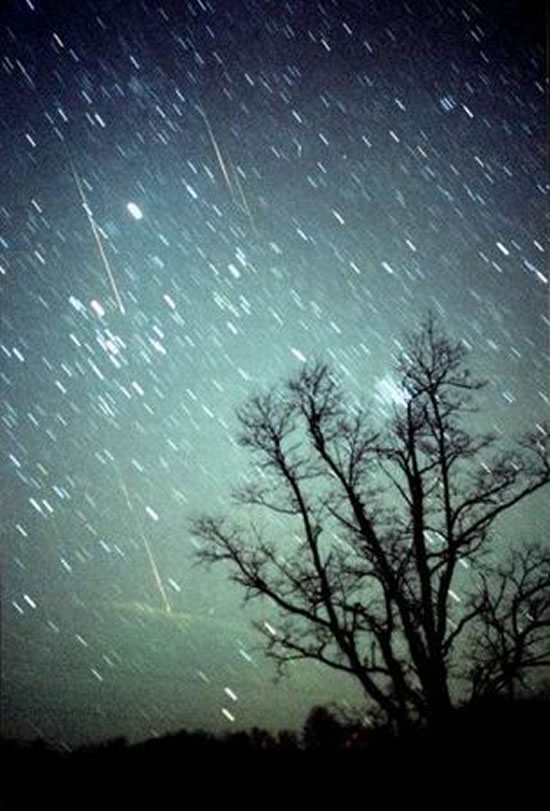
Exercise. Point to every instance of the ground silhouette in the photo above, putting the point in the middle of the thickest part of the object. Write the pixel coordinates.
(494, 744)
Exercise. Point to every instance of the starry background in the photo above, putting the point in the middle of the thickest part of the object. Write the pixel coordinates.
(270, 182)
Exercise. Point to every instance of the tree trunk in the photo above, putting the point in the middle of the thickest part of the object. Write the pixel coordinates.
(438, 701)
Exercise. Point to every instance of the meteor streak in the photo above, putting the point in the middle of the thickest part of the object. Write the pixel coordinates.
(154, 568)
(245, 205)
(236, 189)
(217, 151)
(97, 237)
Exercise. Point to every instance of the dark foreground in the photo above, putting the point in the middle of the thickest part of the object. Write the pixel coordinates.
(498, 750)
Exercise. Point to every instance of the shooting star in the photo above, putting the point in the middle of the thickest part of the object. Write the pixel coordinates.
(97, 237)
(154, 568)
(217, 151)
(244, 201)
(238, 198)
(156, 575)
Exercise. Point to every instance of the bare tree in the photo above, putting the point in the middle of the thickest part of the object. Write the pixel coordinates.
(377, 531)
(511, 642)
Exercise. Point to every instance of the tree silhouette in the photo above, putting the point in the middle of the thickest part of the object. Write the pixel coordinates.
(513, 638)
(381, 559)
(323, 731)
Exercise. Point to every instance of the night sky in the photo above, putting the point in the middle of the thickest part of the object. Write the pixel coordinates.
(196, 198)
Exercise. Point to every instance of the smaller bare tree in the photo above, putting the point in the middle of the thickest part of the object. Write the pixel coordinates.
(511, 640)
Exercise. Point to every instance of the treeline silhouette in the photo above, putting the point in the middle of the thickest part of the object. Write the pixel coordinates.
(493, 740)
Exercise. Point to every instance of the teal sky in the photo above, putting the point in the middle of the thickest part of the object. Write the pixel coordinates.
(269, 183)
